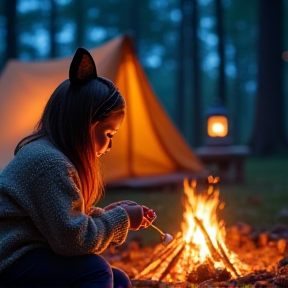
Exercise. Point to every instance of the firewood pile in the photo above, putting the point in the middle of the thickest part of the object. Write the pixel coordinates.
(264, 254)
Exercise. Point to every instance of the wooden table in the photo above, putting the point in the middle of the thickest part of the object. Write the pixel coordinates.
(229, 159)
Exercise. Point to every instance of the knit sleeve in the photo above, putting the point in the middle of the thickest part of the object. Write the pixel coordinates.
(52, 199)
(96, 211)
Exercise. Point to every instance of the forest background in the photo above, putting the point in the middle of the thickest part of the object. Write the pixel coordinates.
(193, 52)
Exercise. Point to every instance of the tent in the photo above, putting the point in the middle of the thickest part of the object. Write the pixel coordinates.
(148, 150)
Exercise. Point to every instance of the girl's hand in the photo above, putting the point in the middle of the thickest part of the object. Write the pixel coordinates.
(140, 216)
(119, 203)
(149, 217)
(134, 211)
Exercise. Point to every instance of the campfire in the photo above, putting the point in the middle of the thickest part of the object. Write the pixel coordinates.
(199, 251)
(199, 254)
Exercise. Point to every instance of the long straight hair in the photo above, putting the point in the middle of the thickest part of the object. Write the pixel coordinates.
(67, 120)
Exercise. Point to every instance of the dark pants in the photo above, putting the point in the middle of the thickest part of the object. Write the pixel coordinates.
(44, 268)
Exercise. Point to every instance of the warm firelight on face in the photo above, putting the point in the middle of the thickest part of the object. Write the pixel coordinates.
(217, 126)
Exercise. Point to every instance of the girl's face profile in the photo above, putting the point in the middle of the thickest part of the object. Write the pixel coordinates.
(104, 132)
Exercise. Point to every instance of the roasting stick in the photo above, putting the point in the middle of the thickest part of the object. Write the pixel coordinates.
(165, 237)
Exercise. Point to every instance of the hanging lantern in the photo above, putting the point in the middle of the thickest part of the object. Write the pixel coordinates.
(217, 125)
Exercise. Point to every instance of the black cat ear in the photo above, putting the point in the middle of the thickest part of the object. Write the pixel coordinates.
(82, 67)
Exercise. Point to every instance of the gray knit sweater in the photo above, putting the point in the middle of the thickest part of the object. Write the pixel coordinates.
(41, 206)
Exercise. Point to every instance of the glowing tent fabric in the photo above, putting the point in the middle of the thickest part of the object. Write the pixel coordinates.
(148, 146)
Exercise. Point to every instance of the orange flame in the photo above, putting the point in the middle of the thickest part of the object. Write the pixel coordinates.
(202, 208)
(202, 240)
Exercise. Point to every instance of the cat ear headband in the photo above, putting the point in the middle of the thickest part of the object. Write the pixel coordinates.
(83, 69)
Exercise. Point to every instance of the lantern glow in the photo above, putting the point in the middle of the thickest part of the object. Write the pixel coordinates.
(217, 126)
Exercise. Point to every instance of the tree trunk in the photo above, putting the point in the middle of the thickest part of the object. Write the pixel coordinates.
(197, 107)
(180, 95)
(11, 37)
(269, 123)
(133, 31)
(221, 79)
(52, 29)
(80, 33)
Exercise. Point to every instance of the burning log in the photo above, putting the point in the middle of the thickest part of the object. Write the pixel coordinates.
(162, 267)
(209, 243)
(226, 260)
(158, 258)
(172, 263)
(214, 252)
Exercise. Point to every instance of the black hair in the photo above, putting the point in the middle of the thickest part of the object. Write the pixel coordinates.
(67, 120)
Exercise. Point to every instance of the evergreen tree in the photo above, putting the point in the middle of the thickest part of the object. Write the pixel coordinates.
(11, 17)
(269, 123)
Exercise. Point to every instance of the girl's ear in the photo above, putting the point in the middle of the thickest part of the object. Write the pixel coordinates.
(82, 67)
